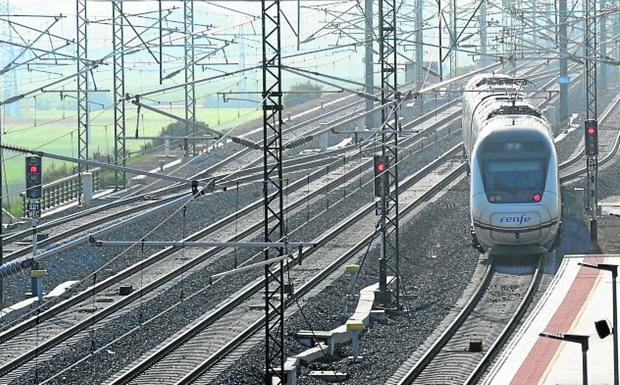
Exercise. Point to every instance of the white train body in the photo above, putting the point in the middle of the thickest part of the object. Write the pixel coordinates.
(515, 189)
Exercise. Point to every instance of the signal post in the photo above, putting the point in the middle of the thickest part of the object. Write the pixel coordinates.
(33, 211)
(591, 126)
(591, 138)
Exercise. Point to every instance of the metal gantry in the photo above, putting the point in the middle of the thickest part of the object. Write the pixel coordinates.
(190, 88)
(83, 129)
(274, 229)
(389, 258)
(10, 85)
(118, 68)
(591, 105)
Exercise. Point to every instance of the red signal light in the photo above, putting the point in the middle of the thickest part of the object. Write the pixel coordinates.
(380, 167)
(591, 130)
(537, 197)
(33, 169)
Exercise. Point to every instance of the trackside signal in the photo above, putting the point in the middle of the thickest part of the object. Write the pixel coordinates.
(591, 133)
(33, 177)
(381, 174)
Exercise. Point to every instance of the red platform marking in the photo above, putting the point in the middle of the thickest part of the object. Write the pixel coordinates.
(537, 361)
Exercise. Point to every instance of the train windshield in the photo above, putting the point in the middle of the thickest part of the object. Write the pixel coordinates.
(514, 172)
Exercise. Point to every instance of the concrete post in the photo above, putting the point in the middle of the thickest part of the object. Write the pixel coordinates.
(453, 41)
(616, 40)
(419, 52)
(410, 77)
(320, 141)
(535, 23)
(602, 79)
(167, 146)
(36, 283)
(563, 42)
(355, 344)
(355, 327)
(324, 141)
(578, 202)
(87, 187)
(369, 61)
(482, 21)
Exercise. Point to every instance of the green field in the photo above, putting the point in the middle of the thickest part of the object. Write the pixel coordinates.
(52, 133)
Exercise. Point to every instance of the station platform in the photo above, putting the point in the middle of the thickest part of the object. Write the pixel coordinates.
(576, 298)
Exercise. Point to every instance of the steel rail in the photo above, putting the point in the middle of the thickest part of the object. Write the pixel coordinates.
(13, 363)
(451, 330)
(460, 319)
(209, 170)
(230, 304)
(17, 329)
(420, 119)
(509, 328)
(84, 324)
(154, 205)
(432, 352)
(257, 325)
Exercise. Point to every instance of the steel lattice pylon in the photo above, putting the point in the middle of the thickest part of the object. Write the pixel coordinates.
(389, 258)
(190, 89)
(272, 169)
(10, 86)
(82, 83)
(118, 68)
(591, 107)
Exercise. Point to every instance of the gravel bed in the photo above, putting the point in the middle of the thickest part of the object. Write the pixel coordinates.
(439, 281)
(79, 262)
(434, 272)
(203, 212)
(104, 364)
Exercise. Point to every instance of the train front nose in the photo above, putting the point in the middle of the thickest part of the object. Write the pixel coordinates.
(515, 229)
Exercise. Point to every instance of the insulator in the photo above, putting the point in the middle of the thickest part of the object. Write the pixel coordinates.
(13, 267)
(299, 141)
(246, 142)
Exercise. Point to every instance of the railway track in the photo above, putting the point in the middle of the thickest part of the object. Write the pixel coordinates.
(448, 361)
(65, 335)
(449, 116)
(212, 330)
(172, 353)
(488, 318)
(135, 202)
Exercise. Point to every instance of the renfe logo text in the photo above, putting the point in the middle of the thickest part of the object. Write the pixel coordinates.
(515, 219)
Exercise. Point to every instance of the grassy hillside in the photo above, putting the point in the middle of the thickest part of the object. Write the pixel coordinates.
(48, 131)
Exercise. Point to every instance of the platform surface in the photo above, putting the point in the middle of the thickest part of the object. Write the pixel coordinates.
(577, 297)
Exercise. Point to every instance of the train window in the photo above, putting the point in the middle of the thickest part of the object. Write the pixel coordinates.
(513, 180)
(514, 146)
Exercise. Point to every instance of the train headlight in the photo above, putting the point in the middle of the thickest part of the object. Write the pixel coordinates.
(537, 197)
(494, 198)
